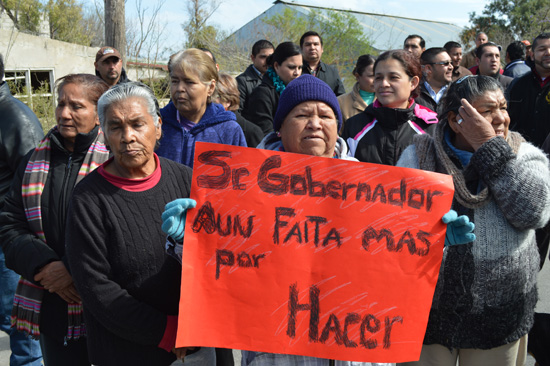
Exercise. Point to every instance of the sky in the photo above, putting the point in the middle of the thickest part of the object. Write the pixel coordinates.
(233, 14)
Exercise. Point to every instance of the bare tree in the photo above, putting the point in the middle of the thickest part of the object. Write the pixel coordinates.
(199, 12)
(115, 26)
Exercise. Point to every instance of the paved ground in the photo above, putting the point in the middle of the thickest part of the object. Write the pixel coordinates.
(542, 307)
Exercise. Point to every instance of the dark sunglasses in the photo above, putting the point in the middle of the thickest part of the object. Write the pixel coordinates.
(444, 63)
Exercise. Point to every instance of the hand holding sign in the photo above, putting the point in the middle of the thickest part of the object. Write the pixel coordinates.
(289, 253)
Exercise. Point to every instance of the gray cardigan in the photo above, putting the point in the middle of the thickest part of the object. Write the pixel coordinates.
(486, 292)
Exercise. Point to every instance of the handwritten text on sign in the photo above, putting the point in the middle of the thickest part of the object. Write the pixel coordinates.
(290, 253)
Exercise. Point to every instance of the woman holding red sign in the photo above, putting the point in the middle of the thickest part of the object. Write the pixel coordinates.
(486, 293)
(306, 122)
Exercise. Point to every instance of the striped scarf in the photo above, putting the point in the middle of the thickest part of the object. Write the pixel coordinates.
(25, 315)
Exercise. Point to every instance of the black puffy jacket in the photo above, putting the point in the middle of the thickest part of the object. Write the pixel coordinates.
(379, 134)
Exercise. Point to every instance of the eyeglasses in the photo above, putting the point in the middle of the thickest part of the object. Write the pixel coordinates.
(444, 63)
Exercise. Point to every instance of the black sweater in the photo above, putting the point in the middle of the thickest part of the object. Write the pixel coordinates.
(127, 283)
(25, 253)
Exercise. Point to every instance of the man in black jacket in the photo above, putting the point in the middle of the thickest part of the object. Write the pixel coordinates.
(252, 76)
(311, 44)
(529, 96)
(437, 69)
(20, 131)
(108, 66)
(488, 60)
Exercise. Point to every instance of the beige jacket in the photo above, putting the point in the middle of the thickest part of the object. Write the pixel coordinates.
(351, 104)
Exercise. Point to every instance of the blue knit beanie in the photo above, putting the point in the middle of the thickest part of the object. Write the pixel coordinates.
(303, 89)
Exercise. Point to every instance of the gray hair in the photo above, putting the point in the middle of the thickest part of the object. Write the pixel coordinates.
(469, 87)
(121, 92)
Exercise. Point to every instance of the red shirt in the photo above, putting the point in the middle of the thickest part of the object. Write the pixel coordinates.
(132, 185)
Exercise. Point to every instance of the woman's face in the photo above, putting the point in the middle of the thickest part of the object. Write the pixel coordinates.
(189, 94)
(290, 69)
(491, 106)
(366, 79)
(131, 135)
(310, 128)
(74, 113)
(392, 85)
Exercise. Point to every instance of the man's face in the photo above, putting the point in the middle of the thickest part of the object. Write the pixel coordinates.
(456, 56)
(312, 49)
(541, 54)
(259, 60)
(109, 69)
(489, 64)
(413, 46)
(440, 71)
(481, 39)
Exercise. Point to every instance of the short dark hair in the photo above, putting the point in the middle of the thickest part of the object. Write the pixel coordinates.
(262, 44)
(429, 55)
(545, 35)
(309, 34)
(282, 52)
(411, 36)
(469, 87)
(409, 63)
(450, 45)
(516, 50)
(93, 85)
(362, 62)
(204, 49)
(479, 50)
(1, 67)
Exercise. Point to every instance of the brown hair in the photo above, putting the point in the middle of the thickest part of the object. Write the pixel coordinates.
(194, 61)
(227, 91)
(408, 61)
(94, 85)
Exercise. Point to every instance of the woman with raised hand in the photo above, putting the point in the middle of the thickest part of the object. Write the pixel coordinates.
(32, 224)
(486, 293)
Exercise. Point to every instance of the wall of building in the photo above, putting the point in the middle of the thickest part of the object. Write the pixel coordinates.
(24, 51)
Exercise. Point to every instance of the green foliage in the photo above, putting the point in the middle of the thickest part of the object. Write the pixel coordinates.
(507, 20)
(67, 18)
(343, 38)
(67, 22)
(25, 14)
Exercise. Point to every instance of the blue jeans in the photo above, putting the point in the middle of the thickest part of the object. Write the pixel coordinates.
(24, 351)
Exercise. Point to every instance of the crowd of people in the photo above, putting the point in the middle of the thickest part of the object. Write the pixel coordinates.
(93, 213)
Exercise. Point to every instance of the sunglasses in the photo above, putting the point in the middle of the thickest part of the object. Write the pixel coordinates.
(444, 63)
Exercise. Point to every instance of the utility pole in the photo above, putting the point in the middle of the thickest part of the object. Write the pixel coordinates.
(115, 27)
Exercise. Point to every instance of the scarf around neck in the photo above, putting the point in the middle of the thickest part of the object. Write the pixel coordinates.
(25, 315)
(432, 156)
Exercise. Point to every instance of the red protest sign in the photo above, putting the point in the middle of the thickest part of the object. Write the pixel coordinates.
(289, 253)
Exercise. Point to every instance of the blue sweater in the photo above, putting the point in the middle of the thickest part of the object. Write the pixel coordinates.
(216, 125)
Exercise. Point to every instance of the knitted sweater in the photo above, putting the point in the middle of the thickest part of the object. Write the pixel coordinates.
(128, 284)
(486, 291)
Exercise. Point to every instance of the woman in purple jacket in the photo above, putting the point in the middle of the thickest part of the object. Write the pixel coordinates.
(191, 116)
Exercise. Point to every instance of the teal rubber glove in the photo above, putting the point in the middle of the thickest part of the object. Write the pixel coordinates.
(173, 217)
(459, 229)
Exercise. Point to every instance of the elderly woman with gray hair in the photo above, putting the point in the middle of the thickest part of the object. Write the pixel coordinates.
(128, 285)
(485, 298)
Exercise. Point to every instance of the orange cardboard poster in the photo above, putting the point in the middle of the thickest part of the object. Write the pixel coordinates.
(295, 254)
